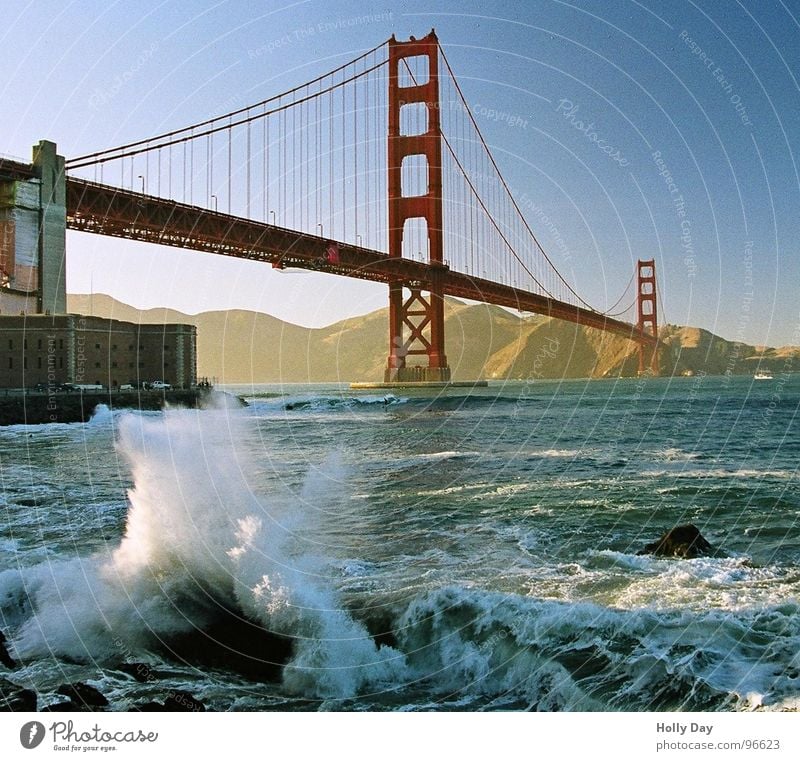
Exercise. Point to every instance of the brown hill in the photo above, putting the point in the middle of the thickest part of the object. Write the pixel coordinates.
(483, 341)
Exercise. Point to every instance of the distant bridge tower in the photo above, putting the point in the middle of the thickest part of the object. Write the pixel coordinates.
(416, 323)
(647, 310)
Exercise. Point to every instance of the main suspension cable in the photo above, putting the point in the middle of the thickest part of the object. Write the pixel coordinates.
(123, 150)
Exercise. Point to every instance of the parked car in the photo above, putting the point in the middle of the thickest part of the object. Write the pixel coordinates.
(126, 387)
(160, 386)
(41, 387)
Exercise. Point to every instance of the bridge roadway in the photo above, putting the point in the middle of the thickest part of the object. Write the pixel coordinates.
(106, 210)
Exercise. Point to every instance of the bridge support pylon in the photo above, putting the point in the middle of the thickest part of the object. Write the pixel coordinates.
(416, 309)
(647, 310)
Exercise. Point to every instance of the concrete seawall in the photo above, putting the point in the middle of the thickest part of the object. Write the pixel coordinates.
(40, 407)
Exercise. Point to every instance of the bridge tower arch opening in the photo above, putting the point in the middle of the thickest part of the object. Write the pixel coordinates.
(647, 312)
(416, 320)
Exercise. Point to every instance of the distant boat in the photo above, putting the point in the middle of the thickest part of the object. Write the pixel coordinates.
(763, 375)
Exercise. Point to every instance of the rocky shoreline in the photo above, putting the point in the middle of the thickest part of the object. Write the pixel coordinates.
(231, 643)
(80, 696)
(35, 408)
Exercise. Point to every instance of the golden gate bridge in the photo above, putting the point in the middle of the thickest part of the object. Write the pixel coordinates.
(375, 170)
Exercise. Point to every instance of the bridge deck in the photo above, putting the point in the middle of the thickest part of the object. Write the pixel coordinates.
(11, 169)
(106, 210)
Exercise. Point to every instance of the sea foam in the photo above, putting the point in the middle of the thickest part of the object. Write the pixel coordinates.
(198, 538)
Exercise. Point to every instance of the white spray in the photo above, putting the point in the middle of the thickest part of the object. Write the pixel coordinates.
(196, 531)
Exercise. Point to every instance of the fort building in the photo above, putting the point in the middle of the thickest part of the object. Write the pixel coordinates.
(56, 349)
(39, 341)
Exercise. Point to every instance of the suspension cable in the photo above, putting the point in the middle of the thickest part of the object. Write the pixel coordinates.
(491, 218)
(609, 313)
(122, 150)
(505, 185)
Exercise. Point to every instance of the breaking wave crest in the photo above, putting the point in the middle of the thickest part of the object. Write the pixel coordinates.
(549, 655)
(198, 543)
(202, 545)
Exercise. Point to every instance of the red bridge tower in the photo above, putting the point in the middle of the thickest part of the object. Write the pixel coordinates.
(647, 312)
(416, 323)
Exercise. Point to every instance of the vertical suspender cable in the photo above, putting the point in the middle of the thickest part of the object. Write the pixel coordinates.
(344, 172)
(247, 169)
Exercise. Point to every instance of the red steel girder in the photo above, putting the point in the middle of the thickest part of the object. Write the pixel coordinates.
(106, 210)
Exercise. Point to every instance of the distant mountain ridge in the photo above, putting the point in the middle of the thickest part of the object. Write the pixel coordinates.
(483, 341)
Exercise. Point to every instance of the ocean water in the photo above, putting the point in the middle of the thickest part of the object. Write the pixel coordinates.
(463, 550)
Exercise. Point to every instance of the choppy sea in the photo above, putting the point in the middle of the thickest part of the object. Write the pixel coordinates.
(473, 549)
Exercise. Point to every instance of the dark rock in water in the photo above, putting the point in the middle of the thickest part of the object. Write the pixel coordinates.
(220, 638)
(141, 672)
(83, 694)
(233, 643)
(380, 629)
(63, 707)
(178, 700)
(16, 698)
(150, 707)
(388, 638)
(680, 542)
(183, 701)
(5, 657)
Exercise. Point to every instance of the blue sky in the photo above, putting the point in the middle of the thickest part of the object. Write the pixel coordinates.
(703, 95)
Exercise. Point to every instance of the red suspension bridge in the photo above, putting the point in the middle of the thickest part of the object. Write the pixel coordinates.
(375, 170)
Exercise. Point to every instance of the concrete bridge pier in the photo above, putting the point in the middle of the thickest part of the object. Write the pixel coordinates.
(33, 224)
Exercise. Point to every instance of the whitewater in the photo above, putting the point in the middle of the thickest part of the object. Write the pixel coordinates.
(463, 550)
